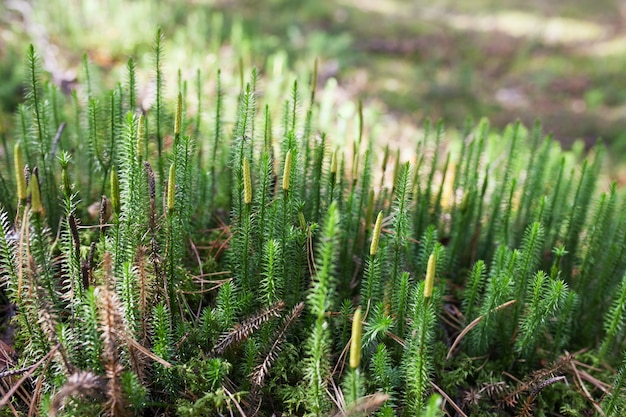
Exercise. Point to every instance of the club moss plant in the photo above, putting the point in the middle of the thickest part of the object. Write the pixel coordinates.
(157, 263)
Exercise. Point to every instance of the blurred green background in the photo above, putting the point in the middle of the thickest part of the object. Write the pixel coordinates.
(561, 62)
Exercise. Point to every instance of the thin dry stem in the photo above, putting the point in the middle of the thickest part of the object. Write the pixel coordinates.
(232, 397)
(585, 391)
(36, 395)
(448, 399)
(7, 397)
(365, 405)
(473, 324)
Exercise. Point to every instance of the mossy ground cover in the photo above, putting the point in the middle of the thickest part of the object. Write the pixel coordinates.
(238, 241)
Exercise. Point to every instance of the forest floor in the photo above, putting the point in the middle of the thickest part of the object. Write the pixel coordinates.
(560, 62)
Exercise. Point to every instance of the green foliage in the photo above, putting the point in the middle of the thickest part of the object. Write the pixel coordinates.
(417, 358)
(224, 279)
(475, 285)
(320, 299)
(545, 300)
(614, 320)
(616, 402)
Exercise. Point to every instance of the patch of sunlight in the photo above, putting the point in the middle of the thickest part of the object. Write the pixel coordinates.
(385, 7)
(611, 47)
(392, 84)
(552, 30)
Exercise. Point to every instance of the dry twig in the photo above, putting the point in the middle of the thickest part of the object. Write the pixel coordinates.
(473, 324)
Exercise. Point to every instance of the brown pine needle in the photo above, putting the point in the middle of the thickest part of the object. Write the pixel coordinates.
(26, 375)
(232, 397)
(585, 391)
(473, 324)
(37, 392)
(366, 405)
(146, 352)
(602, 386)
(448, 399)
